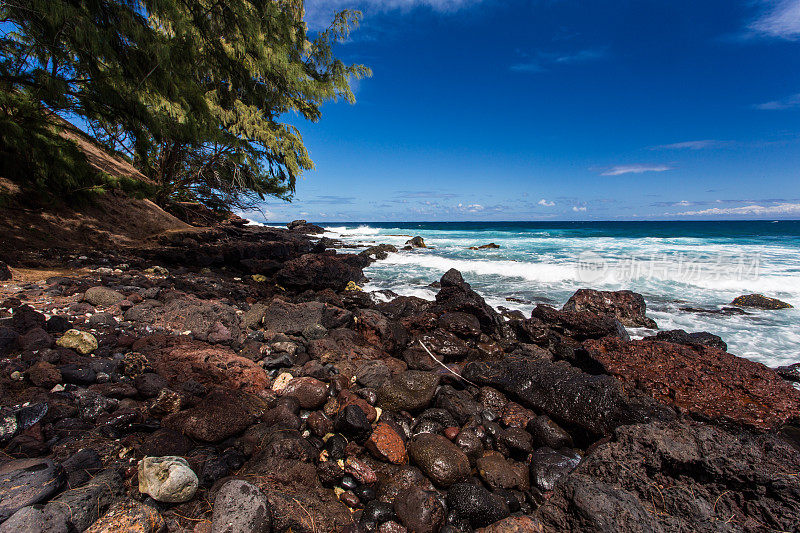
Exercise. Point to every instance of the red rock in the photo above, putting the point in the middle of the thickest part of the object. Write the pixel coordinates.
(387, 444)
(221, 414)
(44, 374)
(209, 365)
(349, 398)
(451, 432)
(701, 380)
(360, 470)
(514, 524)
(514, 415)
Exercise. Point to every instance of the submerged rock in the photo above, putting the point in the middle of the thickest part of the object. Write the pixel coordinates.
(416, 242)
(759, 301)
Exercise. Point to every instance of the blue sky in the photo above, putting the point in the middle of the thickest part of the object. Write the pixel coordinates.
(560, 110)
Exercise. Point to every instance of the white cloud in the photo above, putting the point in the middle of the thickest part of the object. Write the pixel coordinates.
(578, 209)
(780, 19)
(755, 209)
(634, 169)
(790, 102)
(691, 145)
(319, 13)
(543, 59)
(545, 203)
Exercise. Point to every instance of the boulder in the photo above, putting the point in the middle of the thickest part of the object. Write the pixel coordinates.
(739, 481)
(596, 403)
(82, 342)
(456, 295)
(387, 444)
(701, 338)
(292, 319)
(240, 507)
(302, 226)
(82, 506)
(43, 374)
(579, 325)
(167, 479)
(702, 380)
(627, 306)
(490, 246)
(8, 340)
(310, 392)
(208, 365)
(130, 516)
(441, 460)
(207, 320)
(759, 301)
(321, 271)
(25, 482)
(36, 519)
(35, 339)
(378, 252)
(408, 391)
(416, 242)
(102, 296)
(221, 414)
(501, 473)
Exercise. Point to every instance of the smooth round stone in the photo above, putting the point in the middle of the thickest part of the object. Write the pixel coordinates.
(167, 479)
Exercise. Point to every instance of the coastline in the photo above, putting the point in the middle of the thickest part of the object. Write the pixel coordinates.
(253, 356)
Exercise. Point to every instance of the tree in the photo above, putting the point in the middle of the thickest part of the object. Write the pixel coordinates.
(196, 93)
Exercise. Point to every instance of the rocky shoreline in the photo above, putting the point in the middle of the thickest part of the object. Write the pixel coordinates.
(236, 378)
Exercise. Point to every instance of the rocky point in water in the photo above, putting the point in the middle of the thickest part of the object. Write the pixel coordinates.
(235, 378)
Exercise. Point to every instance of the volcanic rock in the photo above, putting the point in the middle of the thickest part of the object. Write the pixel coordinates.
(705, 381)
(408, 391)
(627, 306)
(24, 482)
(759, 301)
(321, 271)
(441, 460)
(240, 507)
(596, 403)
(476, 504)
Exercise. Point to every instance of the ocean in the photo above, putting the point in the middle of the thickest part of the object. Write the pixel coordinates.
(675, 265)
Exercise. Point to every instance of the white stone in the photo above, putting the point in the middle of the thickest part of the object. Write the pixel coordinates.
(167, 479)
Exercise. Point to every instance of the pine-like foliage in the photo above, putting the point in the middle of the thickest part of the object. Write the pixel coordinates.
(196, 93)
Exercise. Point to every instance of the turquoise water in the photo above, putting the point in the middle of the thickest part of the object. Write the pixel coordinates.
(673, 264)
